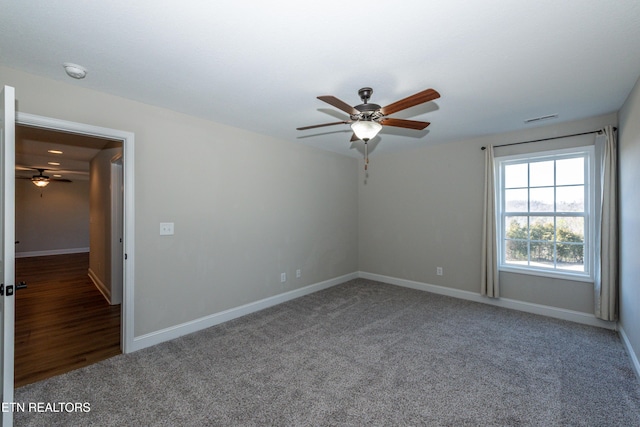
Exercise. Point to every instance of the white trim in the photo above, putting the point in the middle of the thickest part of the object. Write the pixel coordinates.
(632, 353)
(177, 331)
(8, 231)
(30, 254)
(589, 214)
(543, 310)
(128, 139)
(106, 292)
(554, 274)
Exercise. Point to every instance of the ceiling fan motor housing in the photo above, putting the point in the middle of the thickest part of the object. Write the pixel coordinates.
(367, 111)
(40, 175)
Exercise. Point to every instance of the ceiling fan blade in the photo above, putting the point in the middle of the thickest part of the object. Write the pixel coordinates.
(354, 137)
(402, 123)
(324, 124)
(24, 168)
(410, 101)
(341, 105)
(60, 180)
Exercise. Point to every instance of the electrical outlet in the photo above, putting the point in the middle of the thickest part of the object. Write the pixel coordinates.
(439, 271)
(283, 277)
(298, 273)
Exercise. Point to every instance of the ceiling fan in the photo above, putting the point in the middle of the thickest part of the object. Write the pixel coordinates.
(42, 180)
(367, 118)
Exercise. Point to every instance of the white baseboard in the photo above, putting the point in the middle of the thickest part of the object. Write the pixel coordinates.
(106, 292)
(558, 313)
(630, 351)
(186, 328)
(51, 252)
(173, 332)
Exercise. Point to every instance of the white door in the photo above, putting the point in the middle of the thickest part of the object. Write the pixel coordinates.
(7, 255)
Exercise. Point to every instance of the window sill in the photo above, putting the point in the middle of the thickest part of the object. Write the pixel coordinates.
(544, 273)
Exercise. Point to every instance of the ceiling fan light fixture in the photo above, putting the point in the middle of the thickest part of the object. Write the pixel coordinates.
(366, 129)
(40, 181)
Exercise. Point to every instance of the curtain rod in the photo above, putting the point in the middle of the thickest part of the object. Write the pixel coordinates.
(548, 139)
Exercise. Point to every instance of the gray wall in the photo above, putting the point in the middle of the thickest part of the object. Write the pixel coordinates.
(422, 209)
(246, 207)
(57, 221)
(629, 149)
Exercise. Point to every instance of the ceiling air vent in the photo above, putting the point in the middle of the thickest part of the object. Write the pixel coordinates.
(537, 119)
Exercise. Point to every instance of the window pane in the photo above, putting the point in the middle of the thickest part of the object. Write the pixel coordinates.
(545, 211)
(570, 257)
(570, 171)
(516, 175)
(542, 254)
(516, 252)
(541, 199)
(541, 174)
(570, 199)
(542, 228)
(516, 227)
(516, 200)
(570, 229)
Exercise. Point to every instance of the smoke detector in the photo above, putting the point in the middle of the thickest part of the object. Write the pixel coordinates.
(74, 70)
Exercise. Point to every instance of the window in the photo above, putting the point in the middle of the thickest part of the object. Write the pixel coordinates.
(545, 213)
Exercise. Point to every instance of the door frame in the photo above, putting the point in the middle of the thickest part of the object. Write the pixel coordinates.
(7, 223)
(127, 138)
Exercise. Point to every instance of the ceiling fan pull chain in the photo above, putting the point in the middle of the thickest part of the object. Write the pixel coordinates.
(366, 156)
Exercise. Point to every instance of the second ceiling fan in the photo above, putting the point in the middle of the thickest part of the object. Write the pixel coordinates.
(40, 180)
(367, 118)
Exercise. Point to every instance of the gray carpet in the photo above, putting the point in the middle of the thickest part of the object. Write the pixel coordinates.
(361, 353)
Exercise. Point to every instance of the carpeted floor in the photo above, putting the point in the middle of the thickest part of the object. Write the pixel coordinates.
(361, 353)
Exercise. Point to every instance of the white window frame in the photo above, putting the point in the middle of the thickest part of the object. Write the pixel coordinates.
(590, 216)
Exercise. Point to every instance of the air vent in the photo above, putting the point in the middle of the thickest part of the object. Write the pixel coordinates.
(537, 119)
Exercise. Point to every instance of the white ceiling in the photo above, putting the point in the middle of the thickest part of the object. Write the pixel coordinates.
(259, 65)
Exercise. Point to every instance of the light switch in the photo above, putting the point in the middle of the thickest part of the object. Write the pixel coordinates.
(166, 228)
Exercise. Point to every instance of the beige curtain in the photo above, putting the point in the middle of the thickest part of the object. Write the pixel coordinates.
(489, 284)
(606, 269)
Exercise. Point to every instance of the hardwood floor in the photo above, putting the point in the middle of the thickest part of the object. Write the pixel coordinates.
(62, 321)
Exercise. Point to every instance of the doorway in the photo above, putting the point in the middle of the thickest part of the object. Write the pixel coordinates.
(122, 164)
(64, 251)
